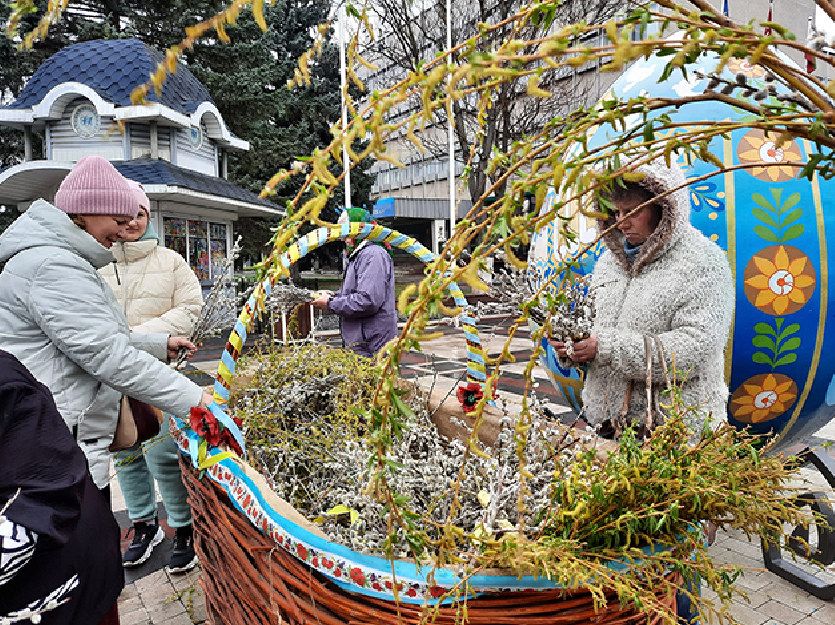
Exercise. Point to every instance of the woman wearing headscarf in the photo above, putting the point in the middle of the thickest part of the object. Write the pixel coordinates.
(160, 294)
(59, 317)
(660, 283)
(59, 542)
(365, 303)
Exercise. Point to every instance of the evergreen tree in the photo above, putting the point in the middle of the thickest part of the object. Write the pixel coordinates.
(247, 78)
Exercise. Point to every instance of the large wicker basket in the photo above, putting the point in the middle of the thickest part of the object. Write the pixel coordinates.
(263, 562)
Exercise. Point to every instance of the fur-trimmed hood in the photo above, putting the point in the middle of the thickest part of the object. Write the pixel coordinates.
(675, 216)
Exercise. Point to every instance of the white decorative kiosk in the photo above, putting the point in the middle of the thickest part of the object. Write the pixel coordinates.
(176, 145)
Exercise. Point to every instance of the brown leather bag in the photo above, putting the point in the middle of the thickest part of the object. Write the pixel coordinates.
(138, 422)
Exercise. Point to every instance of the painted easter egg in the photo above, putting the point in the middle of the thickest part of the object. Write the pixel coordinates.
(777, 231)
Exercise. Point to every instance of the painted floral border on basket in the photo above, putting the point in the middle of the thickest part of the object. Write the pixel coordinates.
(346, 568)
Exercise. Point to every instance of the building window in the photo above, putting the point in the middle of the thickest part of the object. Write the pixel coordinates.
(204, 244)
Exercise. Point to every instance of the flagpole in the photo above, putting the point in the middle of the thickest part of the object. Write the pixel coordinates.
(346, 163)
(451, 136)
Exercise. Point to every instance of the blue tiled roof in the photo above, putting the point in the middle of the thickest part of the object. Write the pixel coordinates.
(150, 171)
(113, 68)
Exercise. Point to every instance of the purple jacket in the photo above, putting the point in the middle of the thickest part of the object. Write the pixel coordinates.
(365, 303)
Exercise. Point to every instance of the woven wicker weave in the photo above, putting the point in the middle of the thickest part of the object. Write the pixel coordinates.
(248, 579)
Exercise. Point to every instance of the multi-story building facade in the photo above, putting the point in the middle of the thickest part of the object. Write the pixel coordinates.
(416, 198)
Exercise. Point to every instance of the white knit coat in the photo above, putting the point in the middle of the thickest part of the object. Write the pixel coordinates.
(156, 287)
(680, 288)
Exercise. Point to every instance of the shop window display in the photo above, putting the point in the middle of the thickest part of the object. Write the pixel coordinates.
(218, 243)
(203, 244)
(198, 250)
(174, 231)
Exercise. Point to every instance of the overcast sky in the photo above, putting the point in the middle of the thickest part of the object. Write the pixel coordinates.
(822, 23)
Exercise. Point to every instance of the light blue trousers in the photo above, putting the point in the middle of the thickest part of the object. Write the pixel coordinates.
(136, 469)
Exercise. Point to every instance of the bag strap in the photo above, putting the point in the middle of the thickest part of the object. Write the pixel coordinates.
(621, 421)
(661, 358)
(658, 415)
(648, 425)
(654, 412)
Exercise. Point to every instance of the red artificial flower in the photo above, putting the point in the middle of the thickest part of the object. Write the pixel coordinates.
(337, 573)
(315, 562)
(205, 425)
(229, 440)
(437, 591)
(469, 395)
(411, 592)
(358, 577)
(377, 587)
(302, 551)
(328, 563)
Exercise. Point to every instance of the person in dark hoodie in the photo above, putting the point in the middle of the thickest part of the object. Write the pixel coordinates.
(59, 543)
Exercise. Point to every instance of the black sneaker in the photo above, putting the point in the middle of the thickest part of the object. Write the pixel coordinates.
(183, 557)
(146, 536)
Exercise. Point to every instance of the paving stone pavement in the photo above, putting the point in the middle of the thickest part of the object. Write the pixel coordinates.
(152, 596)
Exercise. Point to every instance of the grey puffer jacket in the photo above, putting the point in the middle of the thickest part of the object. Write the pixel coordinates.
(680, 288)
(62, 321)
(365, 303)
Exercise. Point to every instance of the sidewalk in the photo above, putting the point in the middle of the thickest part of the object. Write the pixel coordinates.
(153, 597)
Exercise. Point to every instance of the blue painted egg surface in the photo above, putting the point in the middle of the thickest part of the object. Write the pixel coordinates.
(775, 229)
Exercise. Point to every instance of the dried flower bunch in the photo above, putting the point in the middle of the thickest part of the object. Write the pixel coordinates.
(561, 506)
(285, 296)
(304, 437)
(220, 306)
(568, 316)
(297, 403)
(510, 288)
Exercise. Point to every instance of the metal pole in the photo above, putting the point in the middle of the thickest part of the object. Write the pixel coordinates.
(343, 90)
(450, 128)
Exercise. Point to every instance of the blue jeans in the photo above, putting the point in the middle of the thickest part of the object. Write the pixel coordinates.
(685, 609)
(136, 469)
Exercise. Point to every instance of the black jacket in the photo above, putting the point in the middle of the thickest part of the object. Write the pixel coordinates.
(77, 534)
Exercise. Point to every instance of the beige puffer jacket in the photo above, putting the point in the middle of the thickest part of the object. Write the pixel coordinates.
(157, 289)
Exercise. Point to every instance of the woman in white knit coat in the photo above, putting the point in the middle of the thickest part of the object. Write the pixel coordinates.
(660, 277)
(159, 293)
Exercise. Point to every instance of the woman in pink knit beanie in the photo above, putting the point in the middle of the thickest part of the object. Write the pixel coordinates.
(98, 199)
(61, 320)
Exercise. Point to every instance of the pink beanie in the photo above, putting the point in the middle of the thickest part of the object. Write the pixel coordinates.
(139, 194)
(94, 187)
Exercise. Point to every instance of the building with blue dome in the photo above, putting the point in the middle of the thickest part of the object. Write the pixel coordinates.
(176, 145)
